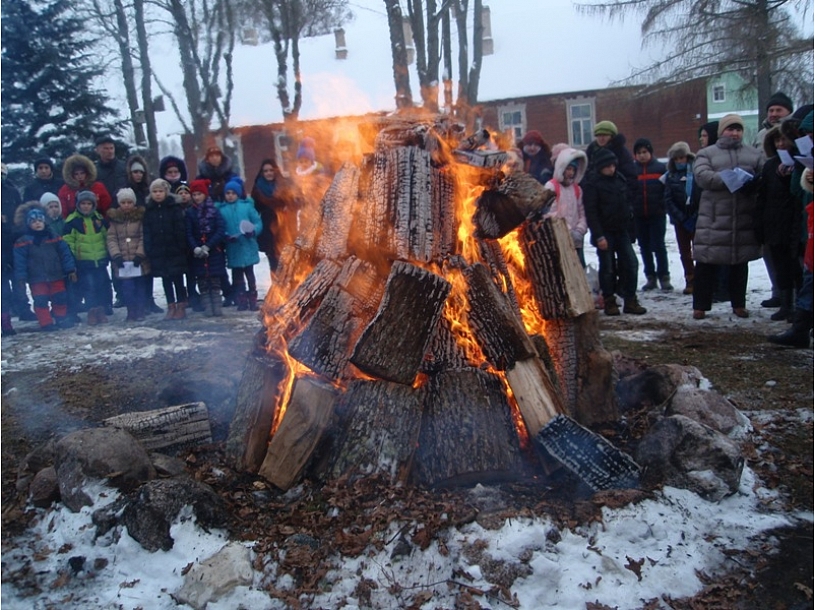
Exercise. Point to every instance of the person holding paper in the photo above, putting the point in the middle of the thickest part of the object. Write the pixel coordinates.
(243, 223)
(724, 232)
(778, 220)
(125, 243)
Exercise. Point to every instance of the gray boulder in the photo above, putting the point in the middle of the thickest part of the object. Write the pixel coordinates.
(655, 385)
(216, 576)
(681, 452)
(111, 455)
(709, 408)
(44, 488)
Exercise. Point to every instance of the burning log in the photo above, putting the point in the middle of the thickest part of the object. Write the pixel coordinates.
(325, 343)
(307, 417)
(558, 280)
(167, 429)
(254, 412)
(516, 198)
(380, 431)
(467, 433)
(337, 213)
(443, 352)
(394, 343)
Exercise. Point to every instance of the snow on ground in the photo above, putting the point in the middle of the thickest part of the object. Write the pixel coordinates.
(637, 553)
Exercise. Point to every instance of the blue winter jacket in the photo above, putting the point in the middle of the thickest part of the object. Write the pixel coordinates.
(41, 256)
(242, 250)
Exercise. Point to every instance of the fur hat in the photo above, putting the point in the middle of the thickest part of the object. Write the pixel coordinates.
(234, 185)
(533, 137)
(126, 194)
(200, 186)
(605, 128)
(603, 158)
(679, 149)
(779, 99)
(643, 143)
(48, 198)
(160, 183)
(306, 149)
(86, 196)
(727, 121)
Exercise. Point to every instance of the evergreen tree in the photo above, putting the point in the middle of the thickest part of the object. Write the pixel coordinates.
(49, 102)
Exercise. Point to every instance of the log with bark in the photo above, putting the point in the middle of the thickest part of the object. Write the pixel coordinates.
(393, 345)
(337, 213)
(167, 429)
(467, 435)
(502, 208)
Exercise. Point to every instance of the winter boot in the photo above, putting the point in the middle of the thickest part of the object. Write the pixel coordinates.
(689, 289)
(798, 335)
(196, 301)
(131, 313)
(611, 306)
(665, 283)
(242, 300)
(93, 316)
(101, 315)
(64, 322)
(252, 300)
(8, 329)
(632, 306)
(181, 310)
(651, 283)
(215, 297)
(26, 315)
(785, 308)
(171, 312)
(205, 299)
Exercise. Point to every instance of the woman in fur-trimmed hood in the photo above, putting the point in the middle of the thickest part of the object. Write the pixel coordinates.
(139, 182)
(79, 173)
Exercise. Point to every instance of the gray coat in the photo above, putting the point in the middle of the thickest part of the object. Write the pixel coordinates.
(725, 232)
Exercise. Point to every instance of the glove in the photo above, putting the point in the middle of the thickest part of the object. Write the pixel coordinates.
(197, 252)
(73, 277)
(118, 261)
(137, 260)
(205, 251)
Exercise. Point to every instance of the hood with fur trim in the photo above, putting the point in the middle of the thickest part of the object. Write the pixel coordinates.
(120, 215)
(567, 156)
(768, 143)
(68, 170)
(22, 211)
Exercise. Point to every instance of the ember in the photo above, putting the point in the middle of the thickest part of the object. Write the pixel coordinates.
(402, 336)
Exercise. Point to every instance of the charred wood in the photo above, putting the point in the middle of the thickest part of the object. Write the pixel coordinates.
(501, 209)
(167, 429)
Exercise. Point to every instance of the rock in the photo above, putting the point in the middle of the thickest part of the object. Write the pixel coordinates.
(655, 385)
(167, 466)
(41, 457)
(99, 454)
(44, 488)
(681, 452)
(150, 513)
(709, 408)
(213, 578)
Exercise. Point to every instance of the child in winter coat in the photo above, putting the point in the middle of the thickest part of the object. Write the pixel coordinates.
(243, 223)
(609, 216)
(165, 239)
(43, 260)
(182, 193)
(86, 233)
(126, 245)
(650, 216)
(206, 235)
(681, 205)
(570, 165)
(53, 213)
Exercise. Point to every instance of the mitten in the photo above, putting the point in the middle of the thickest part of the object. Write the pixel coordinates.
(118, 261)
(205, 251)
(137, 260)
(198, 252)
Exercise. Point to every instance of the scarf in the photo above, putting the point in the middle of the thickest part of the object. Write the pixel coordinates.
(266, 187)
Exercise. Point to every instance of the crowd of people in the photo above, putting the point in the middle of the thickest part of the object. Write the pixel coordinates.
(200, 238)
(730, 203)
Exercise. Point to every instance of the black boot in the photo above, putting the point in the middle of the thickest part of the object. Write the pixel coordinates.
(785, 307)
(798, 335)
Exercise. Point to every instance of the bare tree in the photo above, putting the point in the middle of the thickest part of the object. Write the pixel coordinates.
(759, 39)
(399, 55)
(147, 92)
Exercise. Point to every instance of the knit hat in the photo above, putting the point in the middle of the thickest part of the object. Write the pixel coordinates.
(86, 196)
(181, 186)
(779, 99)
(200, 186)
(306, 149)
(643, 143)
(727, 121)
(126, 194)
(44, 161)
(604, 157)
(533, 137)
(235, 186)
(137, 167)
(160, 183)
(605, 128)
(35, 214)
(213, 150)
(48, 198)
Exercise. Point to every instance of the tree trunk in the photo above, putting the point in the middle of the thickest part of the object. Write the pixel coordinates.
(394, 343)
(304, 423)
(167, 429)
(399, 55)
(467, 435)
(152, 152)
(128, 73)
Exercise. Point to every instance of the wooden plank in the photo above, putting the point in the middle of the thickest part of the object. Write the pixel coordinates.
(167, 429)
(393, 345)
(535, 395)
(559, 282)
(307, 416)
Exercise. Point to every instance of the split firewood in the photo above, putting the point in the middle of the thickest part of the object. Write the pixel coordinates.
(502, 208)
(393, 345)
(167, 429)
(337, 213)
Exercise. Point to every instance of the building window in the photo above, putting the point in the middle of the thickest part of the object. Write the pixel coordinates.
(580, 114)
(718, 93)
(512, 120)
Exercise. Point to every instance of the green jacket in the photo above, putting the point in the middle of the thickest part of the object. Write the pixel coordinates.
(87, 236)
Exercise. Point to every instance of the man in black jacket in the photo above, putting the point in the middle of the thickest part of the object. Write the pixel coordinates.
(45, 180)
(110, 171)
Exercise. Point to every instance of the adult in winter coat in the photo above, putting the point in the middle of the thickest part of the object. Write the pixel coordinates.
(778, 221)
(138, 178)
(536, 156)
(242, 245)
(172, 170)
(110, 171)
(568, 203)
(682, 205)
(649, 208)
(14, 300)
(79, 173)
(609, 216)
(607, 137)
(165, 237)
(279, 223)
(125, 243)
(217, 168)
(206, 238)
(45, 180)
(725, 229)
